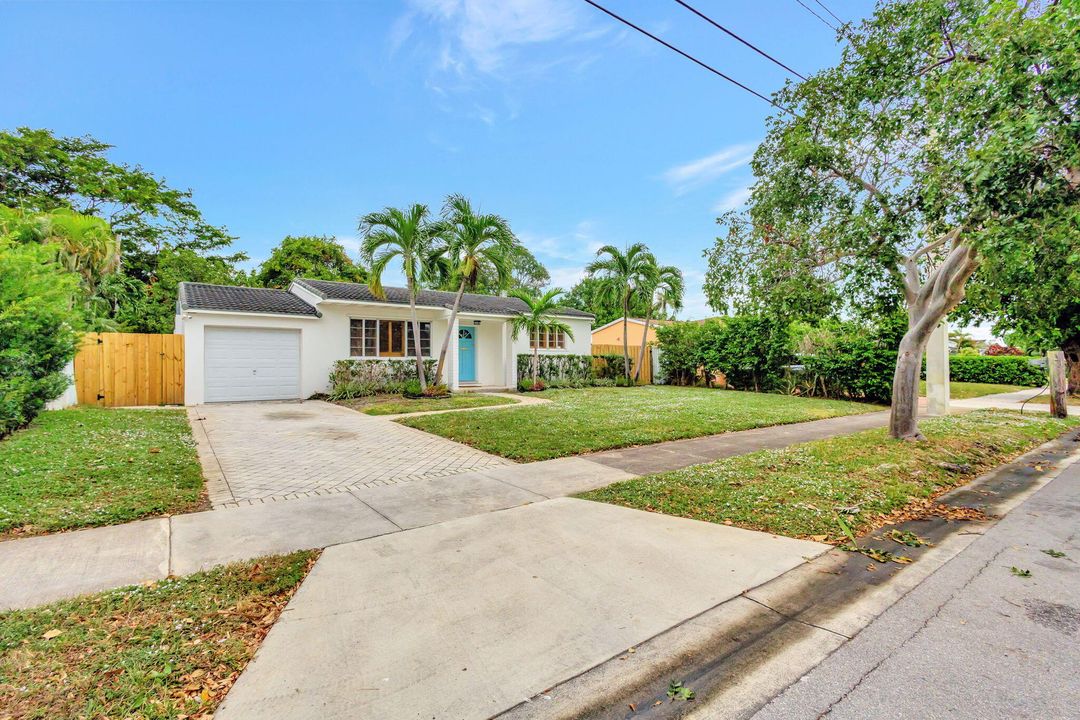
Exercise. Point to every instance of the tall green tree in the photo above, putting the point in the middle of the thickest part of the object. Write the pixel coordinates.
(945, 130)
(409, 236)
(526, 273)
(475, 243)
(319, 258)
(664, 289)
(538, 317)
(589, 295)
(624, 275)
(42, 172)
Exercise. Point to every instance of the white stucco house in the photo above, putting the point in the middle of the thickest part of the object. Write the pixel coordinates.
(244, 343)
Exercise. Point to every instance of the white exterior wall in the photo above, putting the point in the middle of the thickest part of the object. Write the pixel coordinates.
(325, 339)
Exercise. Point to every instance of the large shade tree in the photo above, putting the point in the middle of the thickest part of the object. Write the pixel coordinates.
(926, 154)
(157, 225)
(475, 243)
(319, 258)
(624, 275)
(410, 236)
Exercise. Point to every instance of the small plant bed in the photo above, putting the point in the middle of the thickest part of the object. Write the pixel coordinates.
(397, 404)
(90, 466)
(826, 488)
(169, 649)
(965, 390)
(589, 419)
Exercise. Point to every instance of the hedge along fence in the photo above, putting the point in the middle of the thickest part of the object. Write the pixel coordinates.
(355, 377)
(557, 367)
(1003, 369)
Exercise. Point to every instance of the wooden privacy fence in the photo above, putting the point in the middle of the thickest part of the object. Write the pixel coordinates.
(117, 369)
(635, 350)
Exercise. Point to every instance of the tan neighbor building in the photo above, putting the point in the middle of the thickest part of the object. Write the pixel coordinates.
(612, 333)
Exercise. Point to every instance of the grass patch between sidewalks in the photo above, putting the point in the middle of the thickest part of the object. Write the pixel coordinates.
(798, 490)
(167, 649)
(394, 405)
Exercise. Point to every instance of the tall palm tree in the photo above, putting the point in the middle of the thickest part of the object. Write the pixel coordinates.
(623, 275)
(410, 235)
(474, 242)
(539, 317)
(665, 293)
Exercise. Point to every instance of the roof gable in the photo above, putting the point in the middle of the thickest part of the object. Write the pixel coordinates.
(233, 298)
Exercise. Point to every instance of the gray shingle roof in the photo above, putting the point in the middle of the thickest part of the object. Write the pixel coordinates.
(470, 302)
(229, 298)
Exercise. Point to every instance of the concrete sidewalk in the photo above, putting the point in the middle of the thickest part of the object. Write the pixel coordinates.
(468, 618)
(53, 567)
(973, 640)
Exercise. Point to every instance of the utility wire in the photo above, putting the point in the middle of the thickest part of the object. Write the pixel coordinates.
(826, 9)
(689, 57)
(753, 47)
(811, 11)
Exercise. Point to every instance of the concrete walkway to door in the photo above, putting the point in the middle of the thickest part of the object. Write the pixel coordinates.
(260, 452)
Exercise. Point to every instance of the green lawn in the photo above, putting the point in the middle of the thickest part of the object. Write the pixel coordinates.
(797, 490)
(169, 649)
(90, 466)
(964, 390)
(396, 404)
(579, 421)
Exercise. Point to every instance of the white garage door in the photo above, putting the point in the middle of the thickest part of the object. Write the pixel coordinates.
(251, 364)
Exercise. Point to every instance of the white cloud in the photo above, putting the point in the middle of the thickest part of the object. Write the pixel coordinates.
(696, 173)
(483, 34)
(351, 245)
(579, 244)
(734, 200)
(566, 277)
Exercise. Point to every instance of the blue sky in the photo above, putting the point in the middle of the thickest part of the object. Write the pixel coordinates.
(296, 118)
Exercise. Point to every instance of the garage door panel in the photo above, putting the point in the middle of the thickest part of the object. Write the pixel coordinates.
(251, 364)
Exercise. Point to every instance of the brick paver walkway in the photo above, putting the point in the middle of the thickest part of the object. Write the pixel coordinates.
(258, 452)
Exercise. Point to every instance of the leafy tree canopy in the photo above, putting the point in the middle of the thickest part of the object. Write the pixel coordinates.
(945, 133)
(589, 295)
(320, 258)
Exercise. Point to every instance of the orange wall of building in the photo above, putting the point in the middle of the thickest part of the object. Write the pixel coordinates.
(614, 335)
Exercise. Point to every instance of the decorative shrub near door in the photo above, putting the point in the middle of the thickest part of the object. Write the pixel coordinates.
(353, 378)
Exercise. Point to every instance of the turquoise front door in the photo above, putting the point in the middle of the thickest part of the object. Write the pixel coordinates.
(466, 354)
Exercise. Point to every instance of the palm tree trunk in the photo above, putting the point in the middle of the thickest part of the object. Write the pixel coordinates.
(536, 362)
(644, 339)
(625, 344)
(416, 336)
(449, 329)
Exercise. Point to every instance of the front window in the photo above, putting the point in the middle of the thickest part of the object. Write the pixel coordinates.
(386, 338)
(548, 339)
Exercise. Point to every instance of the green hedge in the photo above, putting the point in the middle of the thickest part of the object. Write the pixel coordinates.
(1003, 369)
(357, 377)
(557, 367)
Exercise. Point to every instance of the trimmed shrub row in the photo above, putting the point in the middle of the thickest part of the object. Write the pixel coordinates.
(356, 377)
(1003, 369)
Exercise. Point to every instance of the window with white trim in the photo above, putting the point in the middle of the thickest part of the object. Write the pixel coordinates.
(386, 338)
(548, 339)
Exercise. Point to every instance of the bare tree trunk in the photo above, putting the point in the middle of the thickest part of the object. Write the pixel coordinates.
(644, 339)
(449, 329)
(416, 337)
(1071, 348)
(928, 303)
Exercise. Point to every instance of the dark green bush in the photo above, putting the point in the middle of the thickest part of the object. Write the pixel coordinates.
(852, 360)
(1004, 369)
(39, 330)
(750, 350)
(609, 367)
(412, 389)
(680, 352)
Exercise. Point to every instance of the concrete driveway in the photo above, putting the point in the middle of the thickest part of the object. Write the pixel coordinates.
(265, 451)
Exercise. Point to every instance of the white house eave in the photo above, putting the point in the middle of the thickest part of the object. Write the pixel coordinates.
(196, 311)
(444, 310)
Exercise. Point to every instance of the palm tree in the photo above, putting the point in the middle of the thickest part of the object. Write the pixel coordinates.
(410, 235)
(473, 242)
(623, 274)
(665, 293)
(85, 245)
(538, 318)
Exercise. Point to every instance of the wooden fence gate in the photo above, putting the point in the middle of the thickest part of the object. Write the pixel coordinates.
(635, 350)
(117, 369)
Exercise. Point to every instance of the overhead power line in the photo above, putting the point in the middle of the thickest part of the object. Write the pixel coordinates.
(826, 9)
(811, 11)
(748, 44)
(688, 56)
